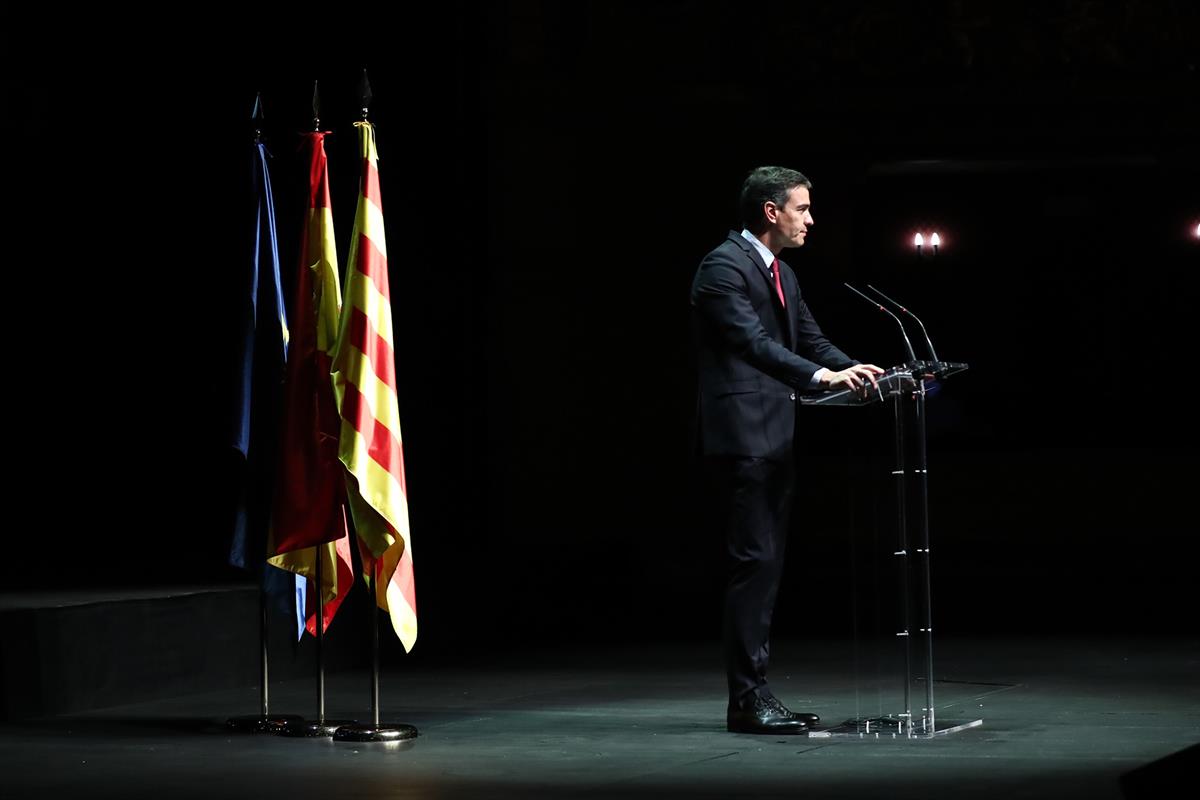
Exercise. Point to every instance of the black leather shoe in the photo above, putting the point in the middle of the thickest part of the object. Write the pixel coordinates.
(806, 717)
(762, 717)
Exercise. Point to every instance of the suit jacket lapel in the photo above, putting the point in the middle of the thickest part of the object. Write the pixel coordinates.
(752, 253)
(785, 315)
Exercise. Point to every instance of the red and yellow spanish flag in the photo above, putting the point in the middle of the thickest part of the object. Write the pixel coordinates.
(371, 448)
(309, 517)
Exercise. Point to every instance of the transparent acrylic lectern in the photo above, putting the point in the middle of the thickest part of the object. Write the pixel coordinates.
(905, 387)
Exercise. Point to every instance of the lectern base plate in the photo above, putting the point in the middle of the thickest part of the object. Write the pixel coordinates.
(891, 728)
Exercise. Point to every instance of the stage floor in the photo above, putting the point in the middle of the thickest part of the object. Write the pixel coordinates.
(1061, 718)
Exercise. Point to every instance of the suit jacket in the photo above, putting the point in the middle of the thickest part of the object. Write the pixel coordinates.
(752, 354)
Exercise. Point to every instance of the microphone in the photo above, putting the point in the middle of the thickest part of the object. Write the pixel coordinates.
(928, 343)
(912, 357)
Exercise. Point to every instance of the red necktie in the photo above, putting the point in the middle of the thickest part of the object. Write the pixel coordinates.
(778, 285)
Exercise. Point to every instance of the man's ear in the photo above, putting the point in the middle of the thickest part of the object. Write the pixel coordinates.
(770, 211)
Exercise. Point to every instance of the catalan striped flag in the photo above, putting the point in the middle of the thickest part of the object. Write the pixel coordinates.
(309, 519)
(371, 448)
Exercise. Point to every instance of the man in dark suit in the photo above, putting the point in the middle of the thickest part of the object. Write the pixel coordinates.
(757, 345)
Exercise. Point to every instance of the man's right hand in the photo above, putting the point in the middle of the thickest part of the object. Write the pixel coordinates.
(856, 378)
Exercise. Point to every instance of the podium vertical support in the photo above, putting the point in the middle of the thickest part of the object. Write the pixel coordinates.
(903, 564)
(923, 559)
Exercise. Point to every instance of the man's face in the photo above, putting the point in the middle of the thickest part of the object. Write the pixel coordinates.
(790, 223)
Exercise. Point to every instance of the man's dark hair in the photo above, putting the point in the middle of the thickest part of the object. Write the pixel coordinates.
(767, 183)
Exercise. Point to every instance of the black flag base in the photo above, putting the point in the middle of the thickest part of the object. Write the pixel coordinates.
(262, 723)
(314, 728)
(382, 732)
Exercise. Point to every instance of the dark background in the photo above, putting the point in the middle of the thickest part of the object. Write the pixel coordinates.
(551, 177)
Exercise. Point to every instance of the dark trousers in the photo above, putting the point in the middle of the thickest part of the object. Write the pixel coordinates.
(753, 502)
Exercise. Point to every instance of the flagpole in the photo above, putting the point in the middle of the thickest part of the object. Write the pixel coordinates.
(264, 656)
(374, 660)
(320, 644)
(322, 726)
(375, 731)
(262, 722)
(391, 733)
